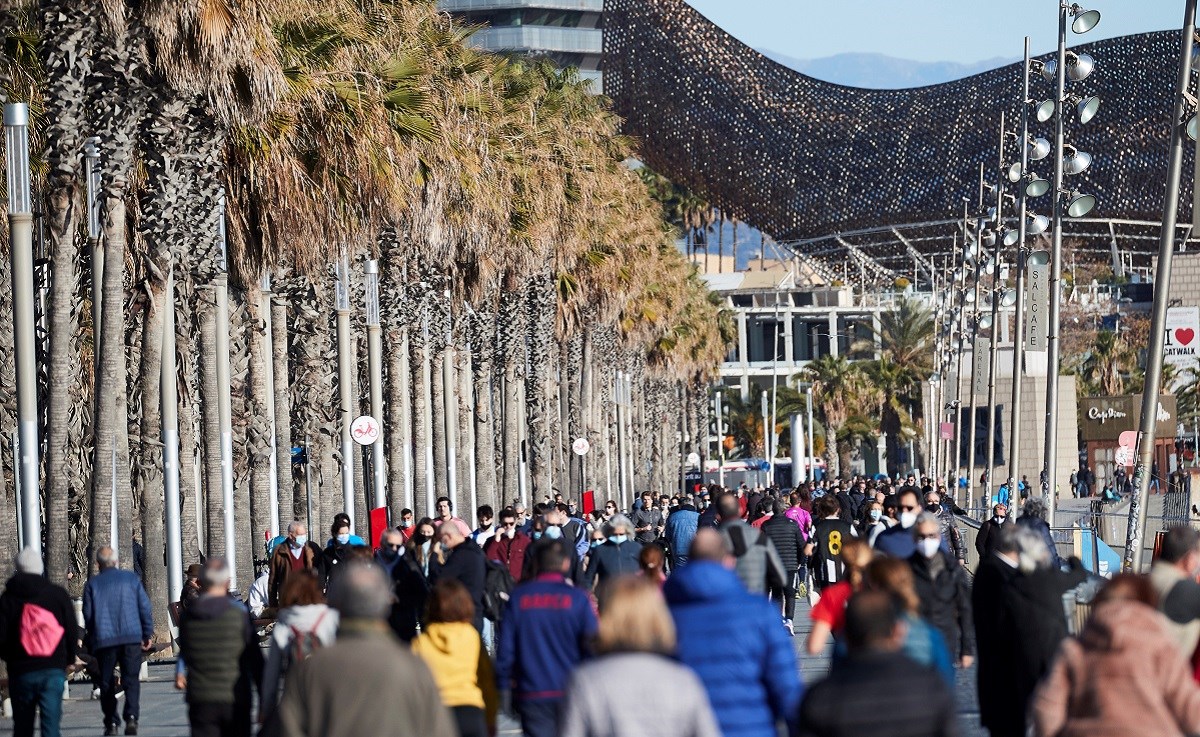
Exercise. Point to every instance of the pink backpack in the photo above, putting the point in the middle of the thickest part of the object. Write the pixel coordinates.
(40, 632)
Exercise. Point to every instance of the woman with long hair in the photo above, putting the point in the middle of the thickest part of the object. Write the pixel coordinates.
(452, 648)
(829, 614)
(922, 641)
(304, 623)
(635, 642)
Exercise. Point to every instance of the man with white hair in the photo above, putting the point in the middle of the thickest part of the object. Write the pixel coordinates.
(296, 553)
(943, 589)
(618, 555)
(37, 641)
(218, 642)
(120, 627)
(388, 690)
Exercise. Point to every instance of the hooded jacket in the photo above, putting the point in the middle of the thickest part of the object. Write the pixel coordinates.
(27, 588)
(320, 619)
(1123, 676)
(460, 665)
(735, 642)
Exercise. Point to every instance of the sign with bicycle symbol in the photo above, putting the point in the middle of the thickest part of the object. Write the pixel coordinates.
(365, 430)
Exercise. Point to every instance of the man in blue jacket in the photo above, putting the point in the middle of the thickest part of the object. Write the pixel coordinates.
(547, 629)
(116, 613)
(618, 555)
(682, 524)
(734, 642)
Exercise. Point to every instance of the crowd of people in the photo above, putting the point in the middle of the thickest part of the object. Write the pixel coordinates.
(685, 604)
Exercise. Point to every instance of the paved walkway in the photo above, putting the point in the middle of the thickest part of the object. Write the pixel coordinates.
(164, 713)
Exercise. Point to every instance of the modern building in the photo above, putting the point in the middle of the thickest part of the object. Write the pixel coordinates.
(566, 31)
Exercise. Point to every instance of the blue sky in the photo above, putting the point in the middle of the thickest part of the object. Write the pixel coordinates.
(924, 30)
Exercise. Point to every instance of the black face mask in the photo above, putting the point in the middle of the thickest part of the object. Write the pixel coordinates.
(933, 508)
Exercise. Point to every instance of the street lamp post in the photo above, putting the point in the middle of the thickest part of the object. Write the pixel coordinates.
(169, 419)
(224, 406)
(345, 396)
(375, 369)
(20, 242)
(1014, 431)
(996, 292)
(1154, 358)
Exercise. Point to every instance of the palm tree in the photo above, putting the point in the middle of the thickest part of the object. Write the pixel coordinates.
(1107, 363)
(842, 391)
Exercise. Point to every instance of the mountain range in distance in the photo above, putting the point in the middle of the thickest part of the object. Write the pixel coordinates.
(877, 71)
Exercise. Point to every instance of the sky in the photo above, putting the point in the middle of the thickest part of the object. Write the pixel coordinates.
(961, 31)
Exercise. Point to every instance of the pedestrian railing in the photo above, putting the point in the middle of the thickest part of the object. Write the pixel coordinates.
(1077, 603)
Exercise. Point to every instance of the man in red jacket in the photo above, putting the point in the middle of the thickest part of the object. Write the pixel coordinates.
(508, 545)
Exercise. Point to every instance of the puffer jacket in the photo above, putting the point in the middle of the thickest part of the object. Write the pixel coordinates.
(951, 534)
(758, 564)
(734, 641)
(1124, 675)
(116, 609)
(946, 602)
(680, 530)
(788, 541)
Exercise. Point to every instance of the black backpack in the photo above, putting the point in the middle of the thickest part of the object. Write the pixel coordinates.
(498, 583)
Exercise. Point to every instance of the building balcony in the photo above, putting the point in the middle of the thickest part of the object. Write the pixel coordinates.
(462, 6)
(540, 39)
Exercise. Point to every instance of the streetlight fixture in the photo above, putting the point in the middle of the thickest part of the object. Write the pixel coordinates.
(1079, 204)
(1076, 161)
(20, 245)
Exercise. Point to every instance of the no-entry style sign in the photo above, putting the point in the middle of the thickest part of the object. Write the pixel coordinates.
(364, 430)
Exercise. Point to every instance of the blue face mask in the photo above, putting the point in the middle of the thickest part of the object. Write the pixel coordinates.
(596, 544)
(554, 533)
(343, 539)
(616, 539)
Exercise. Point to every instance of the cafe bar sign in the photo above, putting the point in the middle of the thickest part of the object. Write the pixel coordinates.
(1105, 418)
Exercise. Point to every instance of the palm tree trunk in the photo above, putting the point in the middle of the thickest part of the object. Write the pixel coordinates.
(67, 31)
(258, 433)
(150, 473)
(399, 412)
(214, 528)
(483, 350)
(464, 416)
(291, 496)
(573, 376)
(189, 490)
(422, 428)
(539, 306)
(439, 402)
(512, 326)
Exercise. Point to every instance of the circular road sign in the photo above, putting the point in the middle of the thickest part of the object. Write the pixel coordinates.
(365, 430)
(581, 446)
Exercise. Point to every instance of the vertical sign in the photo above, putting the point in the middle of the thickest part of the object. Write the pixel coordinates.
(979, 366)
(1179, 347)
(1037, 325)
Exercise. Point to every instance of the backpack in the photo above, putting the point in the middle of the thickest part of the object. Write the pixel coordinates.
(737, 536)
(40, 632)
(305, 643)
(498, 583)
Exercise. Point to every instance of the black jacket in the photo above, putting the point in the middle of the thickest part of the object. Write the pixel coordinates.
(467, 565)
(218, 642)
(411, 590)
(789, 543)
(985, 539)
(878, 695)
(946, 602)
(26, 588)
(1019, 623)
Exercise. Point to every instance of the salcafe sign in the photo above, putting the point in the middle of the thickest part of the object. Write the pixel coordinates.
(1105, 418)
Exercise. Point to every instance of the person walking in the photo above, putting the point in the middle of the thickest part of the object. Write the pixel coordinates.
(38, 637)
(509, 544)
(486, 516)
(219, 644)
(548, 629)
(460, 559)
(451, 647)
(647, 520)
(732, 640)
(830, 536)
(305, 623)
(445, 513)
(295, 553)
(922, 641)
(876, 690)
(1033, 517)
(635, 645)
(942, 586)
(985, 540)
(829, 613)
(789, 544)
(120, 627)
(618, 555)
(1123, 675)
(1017, 601)
(951, 534)
(338, 552)
(366, 682)
(680, 528)
(897, 541)
(757, 561)
(1173, 577)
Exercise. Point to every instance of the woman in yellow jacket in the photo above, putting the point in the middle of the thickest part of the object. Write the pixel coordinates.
(452, 648)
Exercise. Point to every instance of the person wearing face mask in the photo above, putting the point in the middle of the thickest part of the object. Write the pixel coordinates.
(985, 540)
(296, 553)
(338, 551)
(616, 557)
(460, 559)
(897, 541)
(341, 519)
(875, 522)
(405, 525)
(950, 532)
(942, 588)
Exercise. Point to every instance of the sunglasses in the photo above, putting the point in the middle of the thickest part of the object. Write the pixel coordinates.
(393, 546)
(508, 522)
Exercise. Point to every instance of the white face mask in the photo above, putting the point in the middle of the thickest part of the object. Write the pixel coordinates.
(1000, 518)
(908, 519)
(927, 547)
(876, 514)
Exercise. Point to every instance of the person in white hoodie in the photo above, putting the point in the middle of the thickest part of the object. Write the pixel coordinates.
(305, 623)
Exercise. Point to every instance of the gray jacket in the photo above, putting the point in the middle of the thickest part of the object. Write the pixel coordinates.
(758, 563)
(600, 692)
(952, 534)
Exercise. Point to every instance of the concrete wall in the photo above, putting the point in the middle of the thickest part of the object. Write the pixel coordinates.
(1185, 279)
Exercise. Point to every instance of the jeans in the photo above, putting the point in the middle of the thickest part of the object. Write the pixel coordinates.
(219, 720)
(539, 718)
(129, 657)
(788, 594)
(39, 689)
(470, 720)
